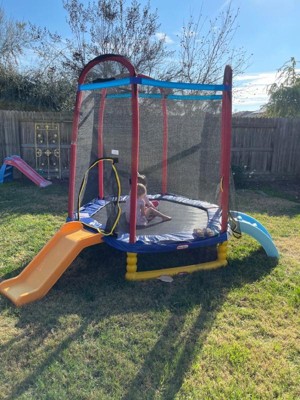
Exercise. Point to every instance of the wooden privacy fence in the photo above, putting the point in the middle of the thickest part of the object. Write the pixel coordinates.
(42, 139)
(265, 148)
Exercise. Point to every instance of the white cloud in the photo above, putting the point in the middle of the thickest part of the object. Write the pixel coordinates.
(250, 91)
(161, 35)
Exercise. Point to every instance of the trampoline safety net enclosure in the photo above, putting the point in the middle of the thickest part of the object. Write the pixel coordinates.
(176, 134)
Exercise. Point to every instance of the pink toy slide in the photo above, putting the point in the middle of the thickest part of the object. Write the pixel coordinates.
(22, 166)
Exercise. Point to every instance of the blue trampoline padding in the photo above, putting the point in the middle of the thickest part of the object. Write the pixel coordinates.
(158, 241)
(92, 207)
(142, 247)
(252, 227)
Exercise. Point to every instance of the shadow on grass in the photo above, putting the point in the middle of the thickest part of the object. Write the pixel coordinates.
(251, 201)
(210, 290)
(19, 197)
(95, 290)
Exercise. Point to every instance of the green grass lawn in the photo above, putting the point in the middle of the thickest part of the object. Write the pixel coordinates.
(232, 333)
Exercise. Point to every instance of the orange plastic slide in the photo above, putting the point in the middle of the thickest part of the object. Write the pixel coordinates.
(49, 264)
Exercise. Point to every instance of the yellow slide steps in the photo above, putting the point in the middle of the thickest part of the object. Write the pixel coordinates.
(49, 264)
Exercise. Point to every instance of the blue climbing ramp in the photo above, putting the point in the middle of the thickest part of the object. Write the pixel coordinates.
(6, 173)
(254, 228)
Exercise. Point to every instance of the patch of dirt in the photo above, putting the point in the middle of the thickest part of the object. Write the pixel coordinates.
(289, 190)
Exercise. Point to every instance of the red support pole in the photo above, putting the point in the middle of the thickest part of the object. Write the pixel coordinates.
(100, 143)
(134, 161)
(226, 146)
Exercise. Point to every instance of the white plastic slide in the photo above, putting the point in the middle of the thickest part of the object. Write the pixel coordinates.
(255, 229)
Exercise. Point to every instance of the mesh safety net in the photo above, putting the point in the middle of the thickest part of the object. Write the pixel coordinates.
(175, 123)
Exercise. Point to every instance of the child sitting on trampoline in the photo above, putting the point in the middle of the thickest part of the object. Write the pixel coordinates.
(143, 214)
(148, 203)
(143, 180)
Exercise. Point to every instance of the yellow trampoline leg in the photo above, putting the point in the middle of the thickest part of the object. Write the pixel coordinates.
(222, 252)
(131, 266)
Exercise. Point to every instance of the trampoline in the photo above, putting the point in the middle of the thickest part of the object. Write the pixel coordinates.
(178, 135)
(192, 222)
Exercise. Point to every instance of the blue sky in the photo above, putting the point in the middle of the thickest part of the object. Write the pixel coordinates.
(268, 29)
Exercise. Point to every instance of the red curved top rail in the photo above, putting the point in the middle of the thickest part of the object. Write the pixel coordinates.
(106, 57)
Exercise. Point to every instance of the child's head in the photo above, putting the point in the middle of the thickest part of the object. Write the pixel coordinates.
(141, 190)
